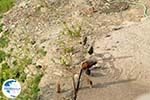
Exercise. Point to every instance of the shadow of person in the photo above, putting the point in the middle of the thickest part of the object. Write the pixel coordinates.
(106, 84)
(106, 61)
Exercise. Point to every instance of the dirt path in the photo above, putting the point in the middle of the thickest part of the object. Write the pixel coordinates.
(118, 90)
(109, 87)
(126, 74)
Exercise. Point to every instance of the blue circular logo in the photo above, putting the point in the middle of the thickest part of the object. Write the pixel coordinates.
(11, 88)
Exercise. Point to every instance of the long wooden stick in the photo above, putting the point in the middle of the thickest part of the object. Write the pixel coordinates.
(77, 88)
(78, 84)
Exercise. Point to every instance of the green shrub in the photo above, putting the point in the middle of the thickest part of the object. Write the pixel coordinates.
(2, 56)
(4, 42)
(13, 64)
(1, 27)
(31, 91)
(42, 52)
(5, 5)
(73, 31)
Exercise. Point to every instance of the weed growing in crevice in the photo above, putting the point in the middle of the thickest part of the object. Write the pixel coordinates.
(72, 31)
(67, 43)
(41, 52)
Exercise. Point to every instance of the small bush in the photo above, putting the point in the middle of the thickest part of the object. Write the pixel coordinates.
(1, 27)
(73, 31)
(4, 42)
(5, 5)
(2, 56)
(42, 52)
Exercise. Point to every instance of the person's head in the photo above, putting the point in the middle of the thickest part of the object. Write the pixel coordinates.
(84, 65)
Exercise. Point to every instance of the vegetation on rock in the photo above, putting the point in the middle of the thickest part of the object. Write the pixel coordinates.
(15, 56)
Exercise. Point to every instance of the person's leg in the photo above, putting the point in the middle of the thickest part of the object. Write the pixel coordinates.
(89, 81)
